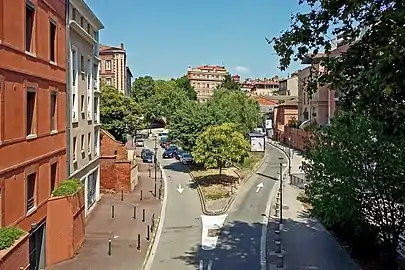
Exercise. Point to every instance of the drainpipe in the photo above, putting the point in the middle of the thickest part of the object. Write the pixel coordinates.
(68, 91)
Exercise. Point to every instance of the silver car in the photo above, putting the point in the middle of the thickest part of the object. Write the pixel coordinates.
(186, 158)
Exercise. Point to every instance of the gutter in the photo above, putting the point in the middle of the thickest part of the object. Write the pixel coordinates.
(68, 91)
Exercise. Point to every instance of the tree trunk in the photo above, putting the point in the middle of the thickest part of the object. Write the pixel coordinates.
(220, 172)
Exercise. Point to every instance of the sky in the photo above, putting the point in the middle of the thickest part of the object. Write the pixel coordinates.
(162, 38)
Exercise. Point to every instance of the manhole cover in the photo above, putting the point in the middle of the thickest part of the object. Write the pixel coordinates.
(285, 207)
(213, 232)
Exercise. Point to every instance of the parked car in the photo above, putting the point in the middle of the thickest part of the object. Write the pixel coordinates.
(186, 158)
(178, 153)
(148, 157)
(172, 147)
(168, 153)
(140, 142)
(144, 151)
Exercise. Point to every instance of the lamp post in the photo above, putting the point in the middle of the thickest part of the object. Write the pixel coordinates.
(155, 160)
(281, 190)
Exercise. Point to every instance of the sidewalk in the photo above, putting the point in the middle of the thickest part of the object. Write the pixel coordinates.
(123, 230)
(305, 243)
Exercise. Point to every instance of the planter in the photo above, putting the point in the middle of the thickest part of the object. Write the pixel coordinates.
(65, 227)
(16, 256)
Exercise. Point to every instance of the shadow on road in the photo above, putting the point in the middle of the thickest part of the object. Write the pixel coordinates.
(268, 176)
(176, 166)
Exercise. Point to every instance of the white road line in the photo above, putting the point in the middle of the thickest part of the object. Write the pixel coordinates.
(265, 221)
(210, 263)
(201, 265)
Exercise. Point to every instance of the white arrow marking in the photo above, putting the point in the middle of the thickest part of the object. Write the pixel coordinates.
(259, 186)
(180, 189)
(210, 265)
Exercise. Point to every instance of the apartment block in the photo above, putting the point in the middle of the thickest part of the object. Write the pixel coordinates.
(114, 70)
(205, 80)
(84, 116)
(261, 87)
(289, 86)
(32, 121)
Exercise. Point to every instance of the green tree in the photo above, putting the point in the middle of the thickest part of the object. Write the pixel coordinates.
(119, 114)
(220, 146)
(143, 88)
(184, 84)
(229, 83)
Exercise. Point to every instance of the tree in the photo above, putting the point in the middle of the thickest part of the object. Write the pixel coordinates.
(119, 114)
(220, 146)
(184, 84)
(143, 88)
(229, 83)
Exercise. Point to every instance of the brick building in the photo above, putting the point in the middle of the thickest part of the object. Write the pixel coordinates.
(117, 171)
(32, 117)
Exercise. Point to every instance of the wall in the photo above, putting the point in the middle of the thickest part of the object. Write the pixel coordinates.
(16, 256)
(299, 138)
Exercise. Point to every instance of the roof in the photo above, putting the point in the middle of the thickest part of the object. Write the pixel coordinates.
(211, 67)
(265, 101)
(107, 48)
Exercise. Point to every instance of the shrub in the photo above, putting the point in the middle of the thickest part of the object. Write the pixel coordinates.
(67, 188)
(8, 236)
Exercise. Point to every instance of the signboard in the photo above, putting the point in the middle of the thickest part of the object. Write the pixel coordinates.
(257, 144)
(269, 124)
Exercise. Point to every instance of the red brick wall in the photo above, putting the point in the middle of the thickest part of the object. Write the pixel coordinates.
(112, 147)
(299, 137)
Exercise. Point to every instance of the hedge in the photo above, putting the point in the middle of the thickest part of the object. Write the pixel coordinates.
(8, 235)
(67, 188)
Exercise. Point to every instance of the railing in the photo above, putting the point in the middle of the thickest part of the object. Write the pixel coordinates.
(30, 203)
(298, 180)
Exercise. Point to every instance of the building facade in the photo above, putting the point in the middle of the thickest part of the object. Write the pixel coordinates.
(261, 87)
(32, 116)
(205, 80)
(84, 89)
(114, 67)
(289, 86)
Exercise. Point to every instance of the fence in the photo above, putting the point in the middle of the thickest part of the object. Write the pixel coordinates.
(298, 180)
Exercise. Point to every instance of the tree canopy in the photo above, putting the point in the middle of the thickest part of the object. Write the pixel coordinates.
(184, 84)
(119, 114)
(229, 83)
(143, 88)
(220, 146)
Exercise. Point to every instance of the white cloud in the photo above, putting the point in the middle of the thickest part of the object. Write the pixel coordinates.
(242, 69)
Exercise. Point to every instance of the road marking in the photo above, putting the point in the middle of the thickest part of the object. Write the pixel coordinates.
(201, 265)
(259, 186)
(180, 189)
(211, 223)
(265, 221)
(210, 263)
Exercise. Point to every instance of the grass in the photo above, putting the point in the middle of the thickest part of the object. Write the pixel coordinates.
(250, 161)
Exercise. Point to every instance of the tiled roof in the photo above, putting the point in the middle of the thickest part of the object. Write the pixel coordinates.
(211, 67)
(106, 48)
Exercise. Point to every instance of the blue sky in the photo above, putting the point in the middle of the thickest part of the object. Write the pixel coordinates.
(162, 38)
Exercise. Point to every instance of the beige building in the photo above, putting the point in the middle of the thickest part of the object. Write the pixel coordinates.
(114, 70)
(205, 79)
(289, 86)
(261, 87)
(84, 103)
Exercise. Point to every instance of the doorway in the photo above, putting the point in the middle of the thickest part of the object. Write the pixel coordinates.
(37, 246)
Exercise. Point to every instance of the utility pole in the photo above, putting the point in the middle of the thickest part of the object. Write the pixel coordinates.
(155, 159)
(281, 191)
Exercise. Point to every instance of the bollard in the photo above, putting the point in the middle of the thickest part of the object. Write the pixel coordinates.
(134, 215)
(155, 190)
(139, 242)
(141, 195)
(143, 215)
(160, 193)
(148, 233)
(277, 235)
(122, 195)
(280, 261)
(277, 226)
(278, 246)
(276, 212)
(109, 247)
(161, 175)
(150, 174)
(112, 211)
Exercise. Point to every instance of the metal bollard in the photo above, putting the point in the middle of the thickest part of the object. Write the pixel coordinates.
(109, 247)
(112, 211)
(278, 246)
(148, 233)
(139, 242)
(141, 195)
(280, 261)
(277, 236)
(277, 226)
(143, 215)
(122, 195)
(134, 214)
(150, 174)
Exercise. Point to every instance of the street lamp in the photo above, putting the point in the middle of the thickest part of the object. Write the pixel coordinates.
(281, 190)
(155, 160)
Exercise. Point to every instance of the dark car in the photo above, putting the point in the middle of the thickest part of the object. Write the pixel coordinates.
(172, 147)
(169, 153)
(148, 157)
(144, 151)
(178, 153)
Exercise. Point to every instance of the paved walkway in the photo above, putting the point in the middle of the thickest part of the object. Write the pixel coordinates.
(123, 230)
(305, 243)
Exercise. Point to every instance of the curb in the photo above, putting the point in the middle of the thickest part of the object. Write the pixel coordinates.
(151, 243)
(232, 198)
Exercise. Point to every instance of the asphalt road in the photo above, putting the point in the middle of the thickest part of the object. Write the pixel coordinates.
(181, 235)
(238, 247)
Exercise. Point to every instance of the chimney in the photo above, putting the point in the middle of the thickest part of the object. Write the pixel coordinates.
(122, 46)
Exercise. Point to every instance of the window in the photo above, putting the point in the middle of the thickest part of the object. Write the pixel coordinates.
(82, 21)
(74, 14)
(29, 25)
(88, 73)
(74, 148)
(107, 64)
(52, 41)
(81, 63)
(30, 191)
(82, 103)
(53, 111)
(88, 29)
(95, 106)
(82, 144)
(54, 170)
(89, 142)
(108, 80)
(96, 140)
(74, 66)
(30, 114)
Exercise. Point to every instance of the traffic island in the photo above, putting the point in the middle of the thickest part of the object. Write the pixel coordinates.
(217, 190)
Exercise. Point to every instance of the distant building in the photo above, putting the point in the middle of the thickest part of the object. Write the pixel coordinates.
(289, 86)
(261, 87)
(205, 79)
(114, 67)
